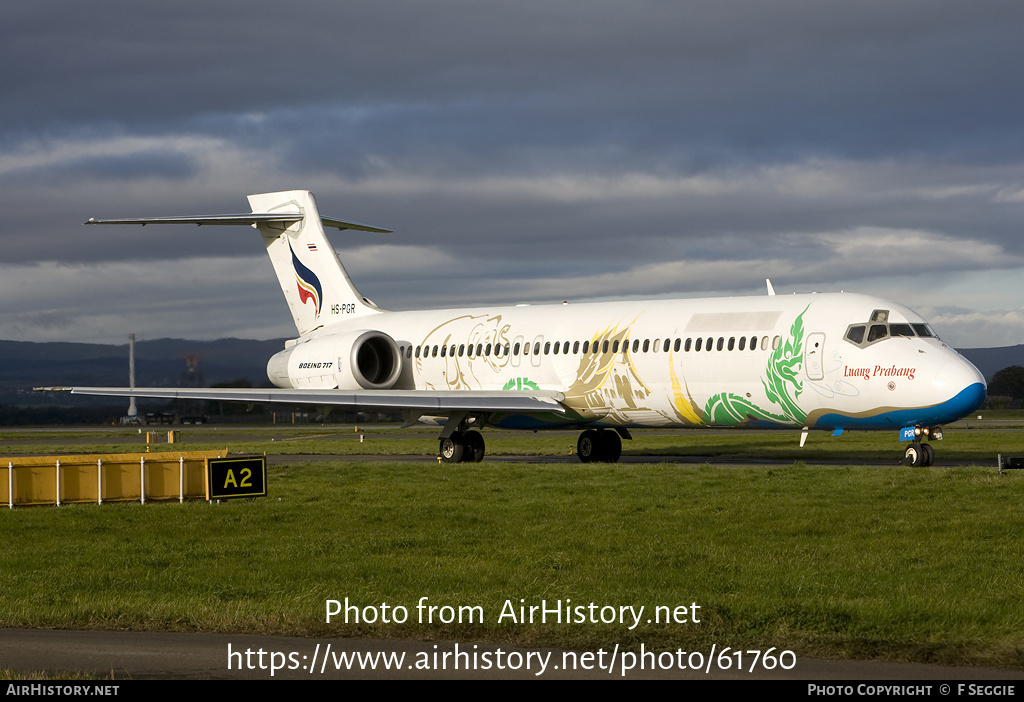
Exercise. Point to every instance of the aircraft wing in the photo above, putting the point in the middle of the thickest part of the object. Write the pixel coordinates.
(426, 401)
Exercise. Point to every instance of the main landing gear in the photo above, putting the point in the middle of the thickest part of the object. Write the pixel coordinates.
(462, 447)
(599, 446)
(594, 446)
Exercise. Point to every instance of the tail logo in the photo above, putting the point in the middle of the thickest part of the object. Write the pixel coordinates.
(309, 284)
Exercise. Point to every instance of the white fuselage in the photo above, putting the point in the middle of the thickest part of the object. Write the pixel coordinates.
(776, 360)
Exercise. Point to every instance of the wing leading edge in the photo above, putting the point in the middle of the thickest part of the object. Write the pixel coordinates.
(511, 401)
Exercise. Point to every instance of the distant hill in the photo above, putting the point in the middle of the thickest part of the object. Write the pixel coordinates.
(160, 362)
(990, 361)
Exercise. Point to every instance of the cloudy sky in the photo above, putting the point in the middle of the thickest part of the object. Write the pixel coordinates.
(522, 152)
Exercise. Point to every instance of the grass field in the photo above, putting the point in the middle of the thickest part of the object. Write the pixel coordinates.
(857, 561)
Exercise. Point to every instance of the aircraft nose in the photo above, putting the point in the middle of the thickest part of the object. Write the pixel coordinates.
(961, 386)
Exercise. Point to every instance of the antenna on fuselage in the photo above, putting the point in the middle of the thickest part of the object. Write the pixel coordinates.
(771, 290)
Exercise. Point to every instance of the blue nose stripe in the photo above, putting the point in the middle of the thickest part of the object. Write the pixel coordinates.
(965, 402)
(957, 407)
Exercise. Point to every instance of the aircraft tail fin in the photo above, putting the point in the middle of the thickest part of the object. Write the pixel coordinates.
(313, 280)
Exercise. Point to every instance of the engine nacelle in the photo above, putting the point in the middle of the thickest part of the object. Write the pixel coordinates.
(367, 360)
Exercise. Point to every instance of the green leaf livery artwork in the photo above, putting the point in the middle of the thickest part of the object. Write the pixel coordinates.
(781, 384)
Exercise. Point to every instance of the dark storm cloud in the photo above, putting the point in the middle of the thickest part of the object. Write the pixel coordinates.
(515, 145)
(155, 163)
(746, 77)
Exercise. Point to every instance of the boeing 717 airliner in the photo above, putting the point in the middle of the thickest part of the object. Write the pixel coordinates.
(829, 362)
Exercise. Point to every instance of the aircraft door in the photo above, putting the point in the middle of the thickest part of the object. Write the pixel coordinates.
(814, 353)
(536, 351)
(516, 349)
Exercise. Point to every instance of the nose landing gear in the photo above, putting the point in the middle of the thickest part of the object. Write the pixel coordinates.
(919, 453)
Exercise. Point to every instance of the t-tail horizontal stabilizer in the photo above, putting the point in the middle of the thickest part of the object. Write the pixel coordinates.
(314, 282)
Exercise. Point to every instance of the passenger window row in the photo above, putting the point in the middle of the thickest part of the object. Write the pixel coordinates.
(710, 343)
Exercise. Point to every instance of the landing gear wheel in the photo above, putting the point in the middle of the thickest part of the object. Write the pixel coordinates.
(929, 455)
(588, 446)
(913, 455)
(611, 446)
(452, 448)
(474, 447)
(599, 446)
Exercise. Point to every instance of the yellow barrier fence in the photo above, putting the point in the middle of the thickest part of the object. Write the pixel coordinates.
(48, 480)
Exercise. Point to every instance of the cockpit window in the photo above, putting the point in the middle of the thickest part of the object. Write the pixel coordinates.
(880, 328)
(877, 331)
